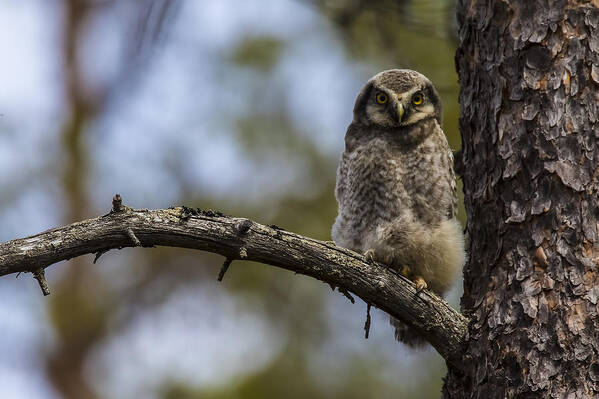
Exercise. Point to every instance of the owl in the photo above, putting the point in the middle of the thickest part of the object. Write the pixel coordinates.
(396, 188)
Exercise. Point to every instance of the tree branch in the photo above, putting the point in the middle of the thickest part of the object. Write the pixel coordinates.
(238, 238)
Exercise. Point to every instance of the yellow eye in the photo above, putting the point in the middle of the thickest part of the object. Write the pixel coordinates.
(417, 99)
(381, 98)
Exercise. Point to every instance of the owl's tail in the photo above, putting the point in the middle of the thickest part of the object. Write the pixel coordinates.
(405, 334)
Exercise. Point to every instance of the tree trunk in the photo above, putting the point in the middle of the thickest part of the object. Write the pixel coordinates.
(529, 75)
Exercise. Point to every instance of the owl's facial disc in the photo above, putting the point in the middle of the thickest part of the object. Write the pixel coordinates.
(396, 98)
(390, 109)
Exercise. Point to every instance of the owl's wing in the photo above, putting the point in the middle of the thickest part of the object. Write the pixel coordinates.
(351, 139)
(340, 186)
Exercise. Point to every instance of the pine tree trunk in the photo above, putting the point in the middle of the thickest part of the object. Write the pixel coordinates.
(529, 76)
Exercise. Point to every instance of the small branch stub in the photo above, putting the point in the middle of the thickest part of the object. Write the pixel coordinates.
(367, 322)
(243, 226)
(98, 254)
(133, 238)
(224, 268)
(117, 203)
(40, 276)
(346, 294)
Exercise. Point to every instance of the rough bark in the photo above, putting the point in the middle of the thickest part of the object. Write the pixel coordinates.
(237, 238)
(529, 75)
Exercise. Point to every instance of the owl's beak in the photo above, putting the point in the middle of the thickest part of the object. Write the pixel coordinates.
(400, 112)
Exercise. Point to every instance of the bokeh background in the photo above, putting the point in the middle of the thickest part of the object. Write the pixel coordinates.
(239, 106)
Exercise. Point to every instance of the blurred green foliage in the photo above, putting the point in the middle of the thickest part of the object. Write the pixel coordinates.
(385, 38)
(261, 53)
(379, 34)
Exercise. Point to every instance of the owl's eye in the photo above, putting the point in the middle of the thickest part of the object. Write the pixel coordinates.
(418, 98)
(381, 98)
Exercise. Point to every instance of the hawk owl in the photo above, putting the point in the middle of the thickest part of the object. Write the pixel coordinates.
(396, 187)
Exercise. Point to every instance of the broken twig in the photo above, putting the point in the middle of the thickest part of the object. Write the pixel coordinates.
(367, 322)
(224, 268)
(40, 276)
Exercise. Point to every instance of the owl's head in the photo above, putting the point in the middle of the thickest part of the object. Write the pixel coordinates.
(397, 98)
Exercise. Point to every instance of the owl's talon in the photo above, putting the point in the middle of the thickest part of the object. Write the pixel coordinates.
(369, 255)
(420, 283)
(405, 271)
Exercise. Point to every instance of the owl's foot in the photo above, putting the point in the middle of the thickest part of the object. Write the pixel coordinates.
(417, 280)
(420, 283)
(372, 257)
(369, 255)
(405, 271)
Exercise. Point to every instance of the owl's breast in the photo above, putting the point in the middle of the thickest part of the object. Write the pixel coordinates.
(371, 177)
(378, 182)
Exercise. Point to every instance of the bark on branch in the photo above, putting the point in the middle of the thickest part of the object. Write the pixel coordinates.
(239, 238)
